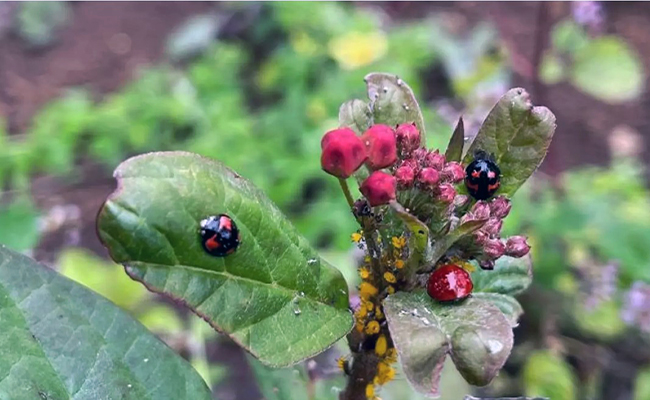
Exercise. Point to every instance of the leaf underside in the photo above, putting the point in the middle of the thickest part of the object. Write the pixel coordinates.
(59, 340)
(274, 295)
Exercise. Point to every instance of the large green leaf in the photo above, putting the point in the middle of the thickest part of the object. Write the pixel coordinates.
(545, 374)
(274, 295)
(609, 69)
(509, 276)
(517, 135)
(59, 340)
(475, 333)
(392, 102)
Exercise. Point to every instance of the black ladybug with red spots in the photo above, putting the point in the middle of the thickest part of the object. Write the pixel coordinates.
(482, 177)
(219, 235)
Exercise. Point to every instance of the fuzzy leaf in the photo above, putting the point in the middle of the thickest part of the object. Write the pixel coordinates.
(508, 305)
(455, 147)
(475, 333)
(355, 114)
(517, 135)
(59, 340)
(509, 276)
(273, 293)
(393, 102)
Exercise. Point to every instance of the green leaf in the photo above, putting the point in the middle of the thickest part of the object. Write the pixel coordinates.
(642, 385)
(393, 102)
(443, 244)
(475, 333)
(355, 114)
(552, 70)
(508, 305)
(548, 375)
(568, 37)
(518, 135)
(274, 296)
(280, 383)
(59, 340)
(603, 322)
(509, 276)
(608, 69)
(19, 222)
(455, 148)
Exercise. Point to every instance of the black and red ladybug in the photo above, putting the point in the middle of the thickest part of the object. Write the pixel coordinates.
(219, 235)
(482, 177)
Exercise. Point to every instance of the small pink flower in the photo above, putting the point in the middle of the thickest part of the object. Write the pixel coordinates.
(446, 193)
(436, 160)
(408, 137)
(500, 207)
(493, 227)
(343, 152)
(453, 171)
(381, 146)
(428, 177)
(481, 210)
(405, 176)
(494, 248)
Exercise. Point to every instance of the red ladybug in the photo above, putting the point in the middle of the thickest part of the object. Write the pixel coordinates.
(449, 283)
(219, 235)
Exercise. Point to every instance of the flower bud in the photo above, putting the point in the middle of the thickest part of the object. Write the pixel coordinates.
(516, 246)
(428, 177)
(436, 160)
(481, 210)
(408, 137)
(454, 172)
(500, 207)
(381, 146)
(494, 248)
(405, 176)
(493, 227)
(480, 237)
(461, 200)
(420, 154)
(446, 193)
(343, 152)
(379, 188)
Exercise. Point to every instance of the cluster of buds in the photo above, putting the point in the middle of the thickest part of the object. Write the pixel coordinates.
(487, 245)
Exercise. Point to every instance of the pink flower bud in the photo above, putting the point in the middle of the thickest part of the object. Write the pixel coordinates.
(461, 200)
(453, 171)
(381, 146)
(446, 193)
(500, 207)
(419, 155)
(408, 137)
(516, 246)
(379, 188)
(405, 176)
(494, 248)
(493, 227)
(481, 210)
(343, 152)
(428, 177)
(480, 237)
(436, 160)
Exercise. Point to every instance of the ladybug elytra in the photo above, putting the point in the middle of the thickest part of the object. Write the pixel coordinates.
(449, 283)
(482, 177)
(219, 235)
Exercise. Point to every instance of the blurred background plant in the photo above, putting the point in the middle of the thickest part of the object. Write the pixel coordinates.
(255, 86)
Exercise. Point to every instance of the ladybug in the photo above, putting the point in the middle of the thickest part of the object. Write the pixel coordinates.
(482, 177)
(449, 283)
(219, 235)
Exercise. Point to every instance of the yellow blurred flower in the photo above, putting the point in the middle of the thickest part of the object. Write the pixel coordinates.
(357, 49)
(303, 44)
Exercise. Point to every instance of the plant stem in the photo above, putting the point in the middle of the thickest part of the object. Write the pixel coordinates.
(346, 192)
(364, 365)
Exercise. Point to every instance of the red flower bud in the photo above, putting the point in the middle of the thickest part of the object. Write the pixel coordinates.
(516, 246)
(379, 188)
(481, 210)
(428, 177)
(494, 248)
(381, 146)
(493, 227)
(453, 171)
(408, 137)
(436, 160)
(500, 207)
(446, 193)
(405, 176)
(343, 152)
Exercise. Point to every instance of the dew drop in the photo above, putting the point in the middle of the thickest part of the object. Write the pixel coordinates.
(400, 82)
(129, 386)
(312, 261)
(405, 106)
(402, 313)
(427, 310)
(414, 312)
(146, 360)
(384, 89)
(466, 139)
(425, 321)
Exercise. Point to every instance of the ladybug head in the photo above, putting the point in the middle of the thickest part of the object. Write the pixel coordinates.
(484, 155)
